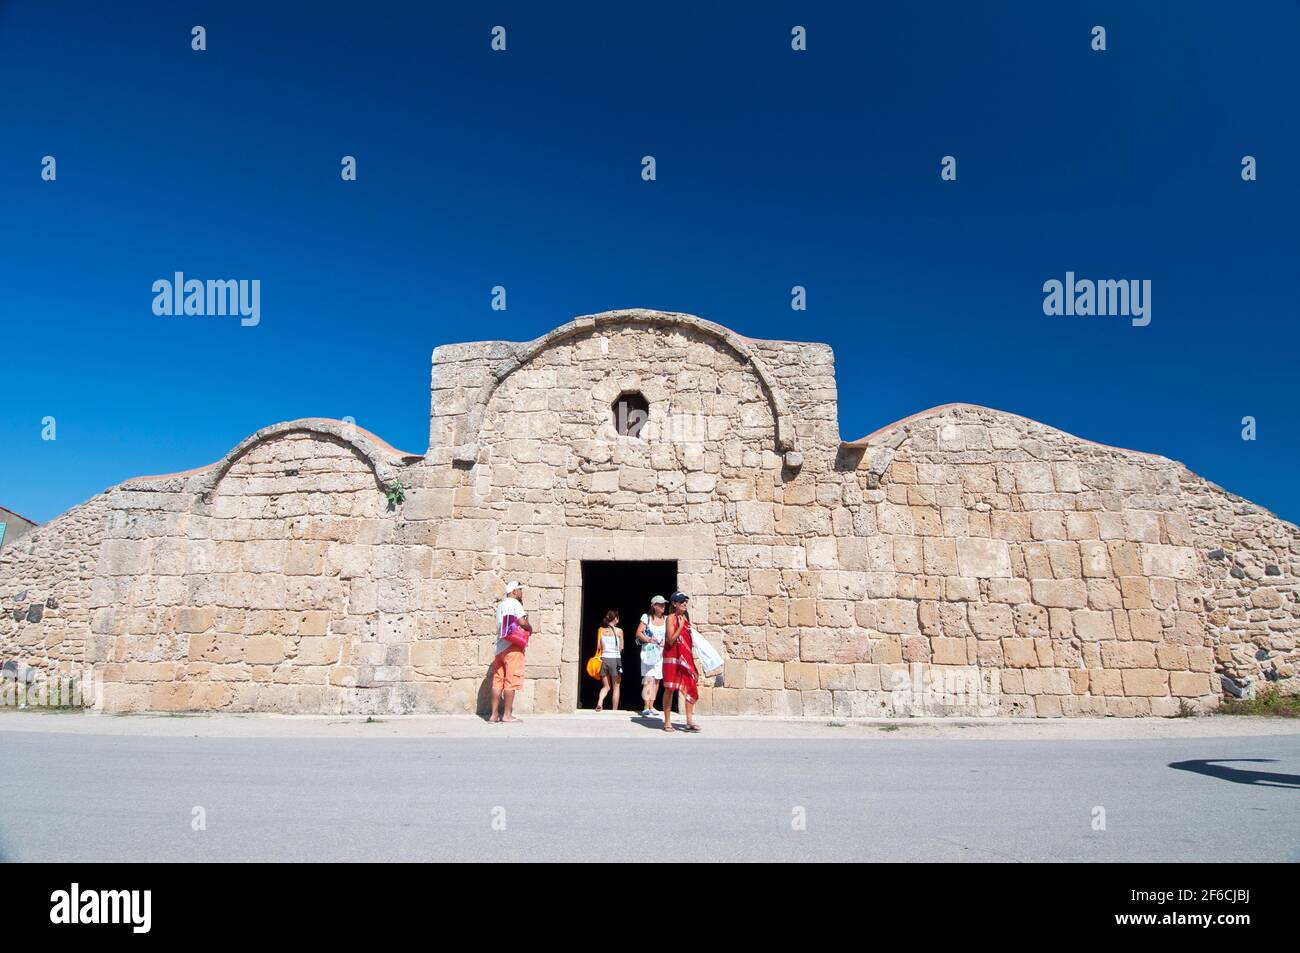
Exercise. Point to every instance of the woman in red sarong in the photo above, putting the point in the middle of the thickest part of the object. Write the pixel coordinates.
(679, 664)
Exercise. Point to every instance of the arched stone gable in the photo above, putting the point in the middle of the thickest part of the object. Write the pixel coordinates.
(785, 439)
(386, 461)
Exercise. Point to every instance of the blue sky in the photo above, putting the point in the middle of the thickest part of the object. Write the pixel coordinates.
(522, 169)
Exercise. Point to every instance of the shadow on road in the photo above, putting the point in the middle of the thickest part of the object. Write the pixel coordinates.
(1217, 768)
(657, 724)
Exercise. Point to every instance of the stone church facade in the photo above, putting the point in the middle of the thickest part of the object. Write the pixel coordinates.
(961, 561)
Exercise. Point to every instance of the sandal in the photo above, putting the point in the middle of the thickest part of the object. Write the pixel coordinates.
(599, 708)
(669, 728)
(693, 728)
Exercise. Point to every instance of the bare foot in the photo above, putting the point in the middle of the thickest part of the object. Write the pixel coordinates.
(512, 719)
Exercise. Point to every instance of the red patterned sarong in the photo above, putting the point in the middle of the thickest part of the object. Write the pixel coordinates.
(679, 665)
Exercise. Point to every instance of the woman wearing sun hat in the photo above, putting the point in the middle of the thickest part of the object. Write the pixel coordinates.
(679, 663)
(650, 636)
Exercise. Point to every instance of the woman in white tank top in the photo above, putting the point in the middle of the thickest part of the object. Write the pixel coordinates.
(610, 638)
(650, 636)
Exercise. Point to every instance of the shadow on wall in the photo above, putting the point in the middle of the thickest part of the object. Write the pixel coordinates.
(1217, 768)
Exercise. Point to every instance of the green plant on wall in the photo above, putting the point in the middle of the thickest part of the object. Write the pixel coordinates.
(396, 494)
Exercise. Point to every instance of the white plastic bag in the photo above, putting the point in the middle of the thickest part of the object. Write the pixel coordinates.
(710, 660)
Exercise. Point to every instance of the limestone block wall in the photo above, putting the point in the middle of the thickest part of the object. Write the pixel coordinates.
(261, 597)
(275, 580)
(964, 561)
(1069, 568)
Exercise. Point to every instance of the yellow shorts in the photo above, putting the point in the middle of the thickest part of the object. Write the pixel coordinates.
(508, 670)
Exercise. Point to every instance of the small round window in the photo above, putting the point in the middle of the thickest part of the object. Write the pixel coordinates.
(631, 412)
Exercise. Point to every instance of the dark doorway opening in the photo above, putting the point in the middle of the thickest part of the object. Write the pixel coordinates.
(627, 587)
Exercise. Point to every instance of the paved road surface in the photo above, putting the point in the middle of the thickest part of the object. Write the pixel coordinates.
(76, 795)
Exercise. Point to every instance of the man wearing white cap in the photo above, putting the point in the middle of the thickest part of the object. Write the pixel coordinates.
(508, 666)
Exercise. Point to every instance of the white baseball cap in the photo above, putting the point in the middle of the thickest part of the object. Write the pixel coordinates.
(658, 600)
(512, 587)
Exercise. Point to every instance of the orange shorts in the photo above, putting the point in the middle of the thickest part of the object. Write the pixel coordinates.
(508, 670)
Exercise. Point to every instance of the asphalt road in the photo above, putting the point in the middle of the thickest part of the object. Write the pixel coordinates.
(100, 797)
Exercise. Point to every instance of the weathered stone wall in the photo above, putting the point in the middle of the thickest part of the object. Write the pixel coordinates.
(1069, 567)
(1014, 568)
(1249, 579)
(45, 581)
(260, 598)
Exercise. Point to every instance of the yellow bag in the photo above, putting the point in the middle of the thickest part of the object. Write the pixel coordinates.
(593, 663)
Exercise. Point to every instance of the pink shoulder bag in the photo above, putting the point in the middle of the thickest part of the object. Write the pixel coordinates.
(514, 633)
